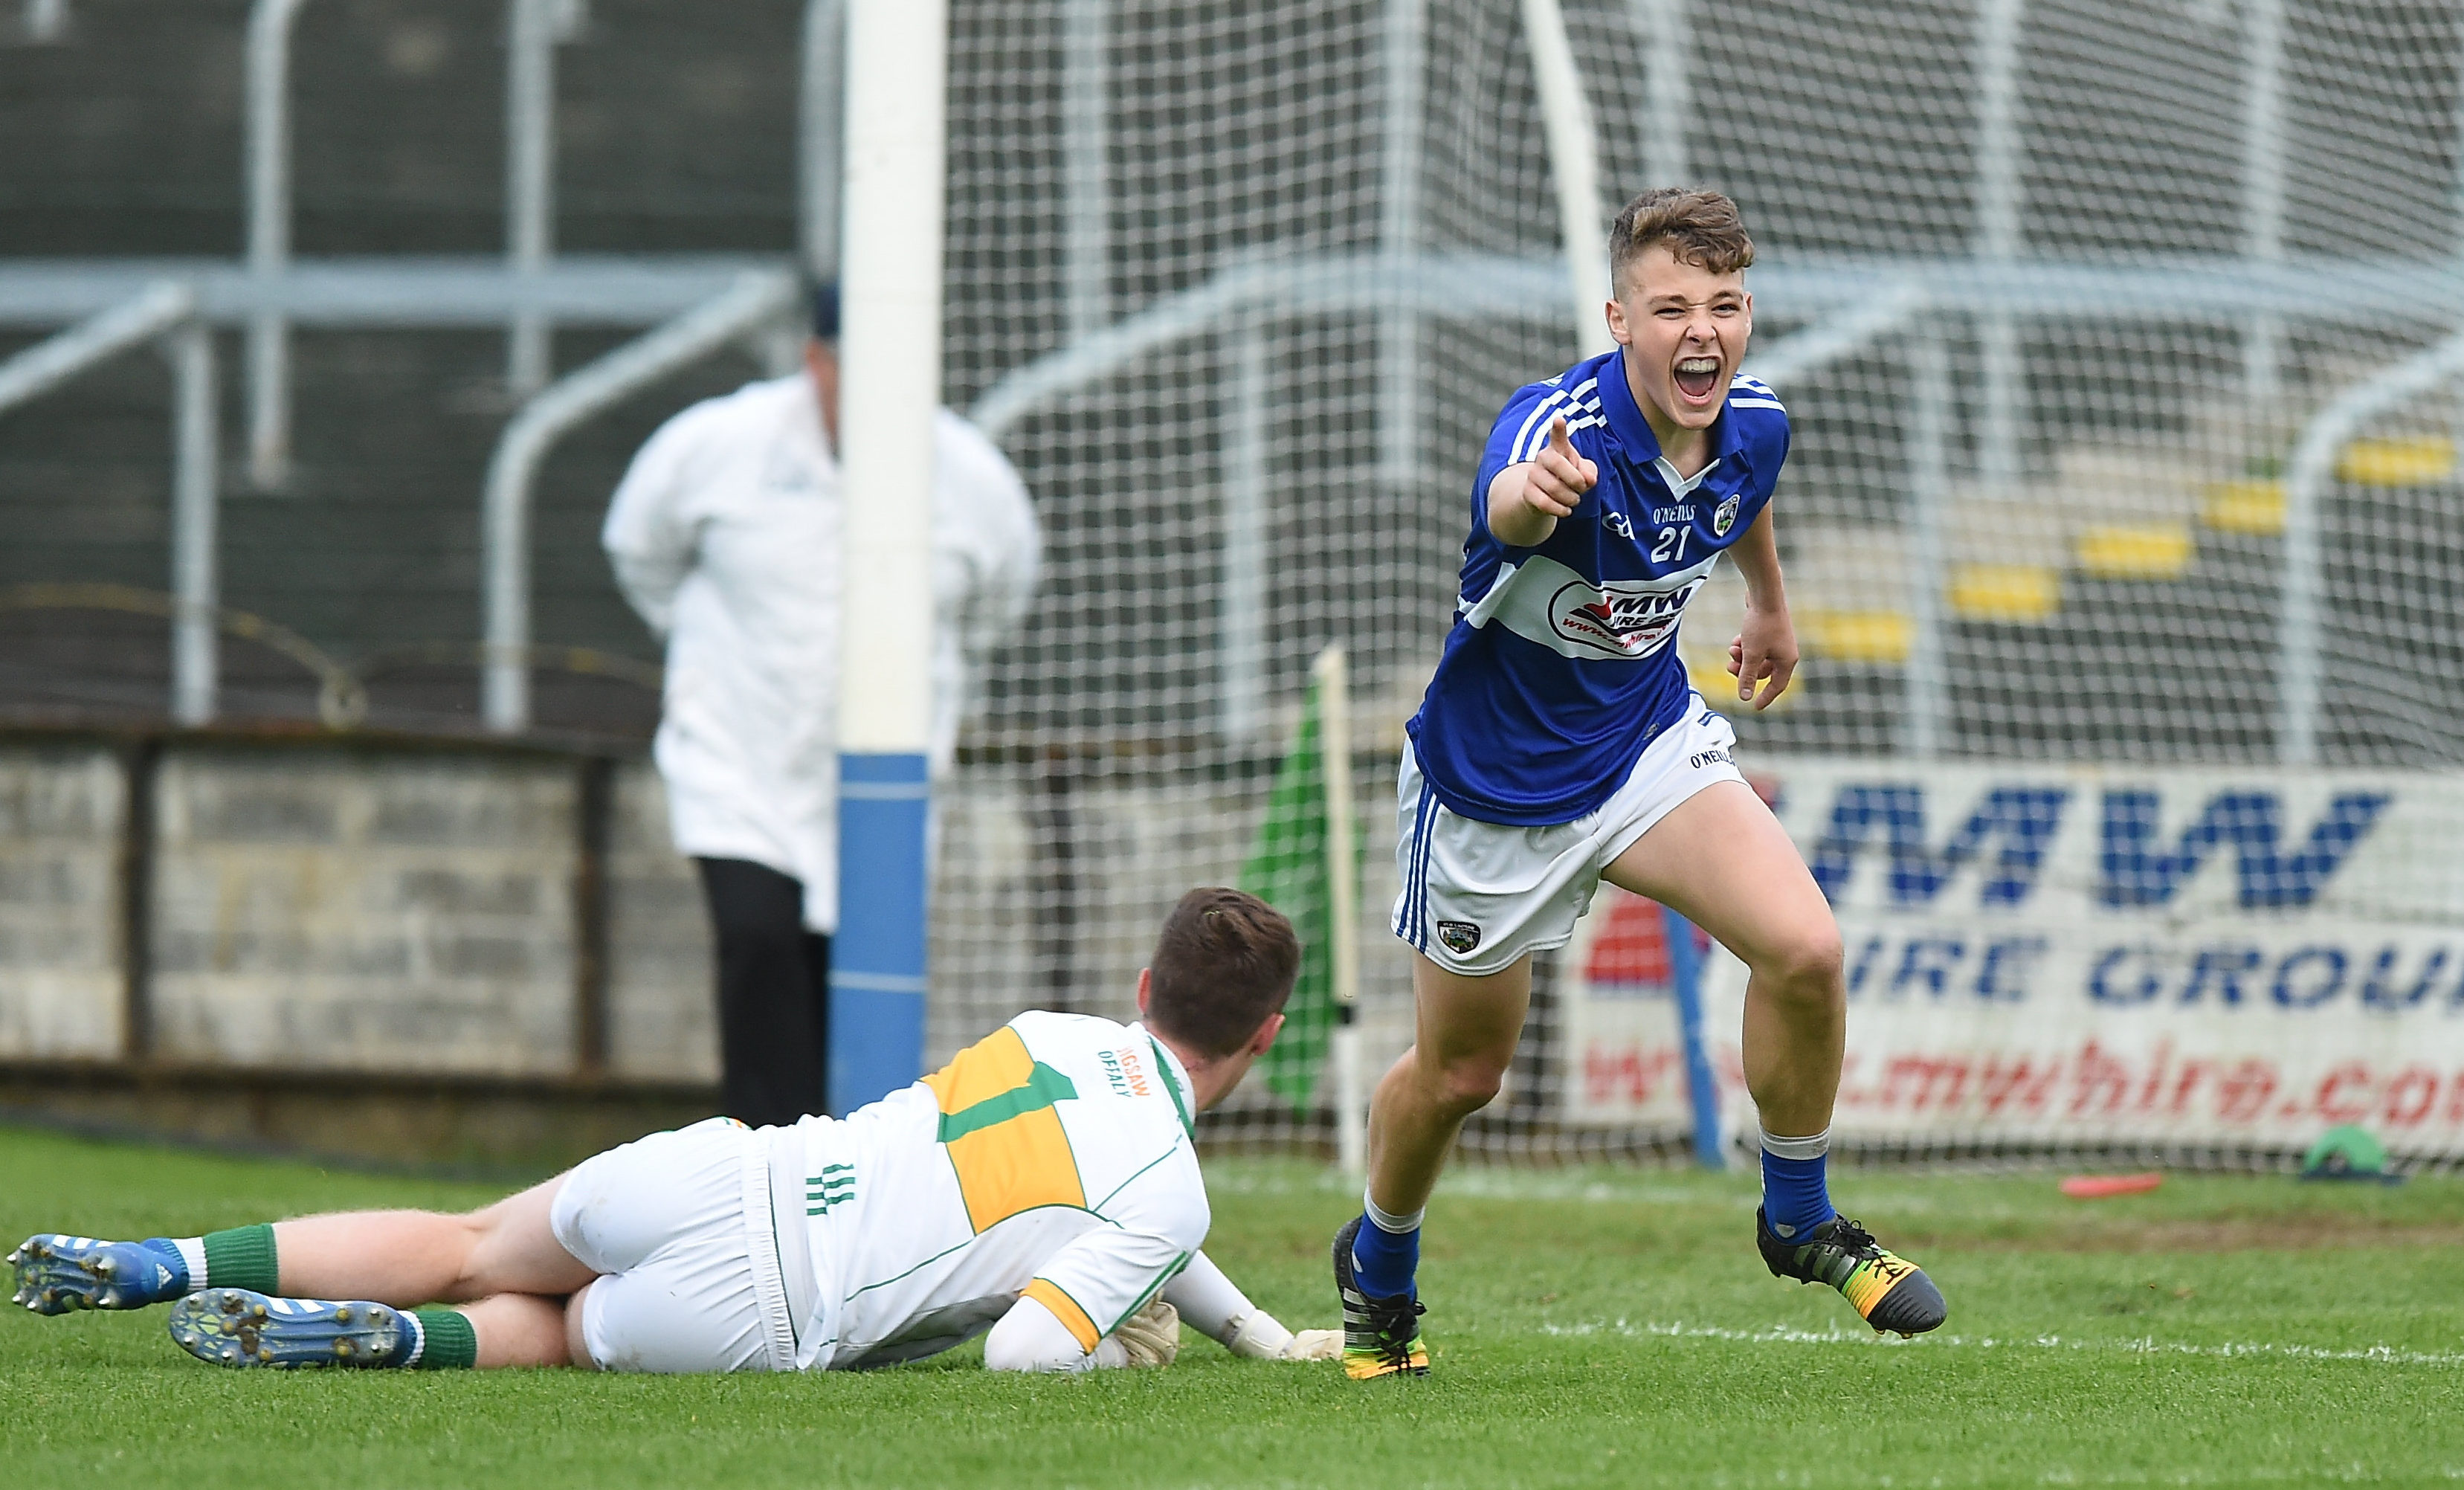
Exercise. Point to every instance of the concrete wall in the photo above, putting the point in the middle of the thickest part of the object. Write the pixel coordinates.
(353, 907)
(328, 909)
(344, 908)
(662, 1024)
(61, 979)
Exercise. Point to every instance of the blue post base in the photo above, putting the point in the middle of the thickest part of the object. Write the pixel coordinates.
(878, 954)
(1685, 973)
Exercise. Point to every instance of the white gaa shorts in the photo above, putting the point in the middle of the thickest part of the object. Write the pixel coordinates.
(679, 1226)
(1477, 896)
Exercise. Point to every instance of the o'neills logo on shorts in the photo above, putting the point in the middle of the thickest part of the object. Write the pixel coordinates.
(1457, 936)
(1619, 621)
(1710, 757)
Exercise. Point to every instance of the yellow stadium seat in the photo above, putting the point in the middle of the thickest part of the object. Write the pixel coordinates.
(2135, 553)
(2005, 592)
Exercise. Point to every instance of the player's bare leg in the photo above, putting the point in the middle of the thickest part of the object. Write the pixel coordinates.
(1722, 862)
(1465, 1031)
(338, 1289)
(407, 1257)
(1463, 1039)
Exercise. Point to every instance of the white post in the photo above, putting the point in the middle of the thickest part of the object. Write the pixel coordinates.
(1927, 688)
(269, 237)
(1667, 90)
(1398, 200)
(820, 104)
(1241, 578)
(533, 28)
(1343, 909)
(2301, 608)
(2262, 170)
(196, 595)
(1086, 106)
(1573, 166)
(1997, 232)
(890, 343)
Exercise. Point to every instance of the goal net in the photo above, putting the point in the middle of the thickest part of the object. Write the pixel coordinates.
(2120, 526)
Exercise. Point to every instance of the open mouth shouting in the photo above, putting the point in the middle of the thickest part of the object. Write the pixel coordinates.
(1698, 380)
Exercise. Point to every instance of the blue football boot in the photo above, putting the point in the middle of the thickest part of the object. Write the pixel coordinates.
(240, 1326)
(58, 1274)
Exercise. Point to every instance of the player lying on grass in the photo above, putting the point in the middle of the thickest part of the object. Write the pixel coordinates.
(1560, 744)
(1043, 1185)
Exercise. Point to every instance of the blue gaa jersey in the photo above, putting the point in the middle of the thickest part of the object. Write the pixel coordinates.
(1559, 669)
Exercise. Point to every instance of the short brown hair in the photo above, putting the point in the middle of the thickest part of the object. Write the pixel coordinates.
(1224, 962)
(1703, 229)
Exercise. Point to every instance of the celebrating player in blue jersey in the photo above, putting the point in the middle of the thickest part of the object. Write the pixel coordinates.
(1559, 744)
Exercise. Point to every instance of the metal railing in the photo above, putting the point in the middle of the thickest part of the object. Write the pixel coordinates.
(2299, 626)
(166, 314)
(755, 301)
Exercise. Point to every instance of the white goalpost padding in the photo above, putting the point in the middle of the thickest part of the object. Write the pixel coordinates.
(890, 387)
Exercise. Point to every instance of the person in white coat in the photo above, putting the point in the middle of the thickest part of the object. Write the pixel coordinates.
(724, 535)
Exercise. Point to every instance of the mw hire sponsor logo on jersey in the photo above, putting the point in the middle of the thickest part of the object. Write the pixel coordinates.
(2135, 941)
(1624, 619)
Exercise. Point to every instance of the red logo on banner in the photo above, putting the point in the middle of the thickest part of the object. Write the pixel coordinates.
(1631, 946)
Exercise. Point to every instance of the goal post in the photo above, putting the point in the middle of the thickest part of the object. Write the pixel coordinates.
(890, 387)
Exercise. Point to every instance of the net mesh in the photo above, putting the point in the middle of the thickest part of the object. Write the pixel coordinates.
(1239, 289)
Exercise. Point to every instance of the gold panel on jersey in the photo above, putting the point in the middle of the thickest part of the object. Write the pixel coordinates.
(1003, 1136)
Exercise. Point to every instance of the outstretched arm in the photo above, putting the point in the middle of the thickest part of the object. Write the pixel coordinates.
(1526, 500)
(1213, 1306)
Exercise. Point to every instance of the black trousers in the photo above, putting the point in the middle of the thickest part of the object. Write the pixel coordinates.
(773, 994)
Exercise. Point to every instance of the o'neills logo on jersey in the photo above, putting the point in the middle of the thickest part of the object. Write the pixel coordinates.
(1617, 619)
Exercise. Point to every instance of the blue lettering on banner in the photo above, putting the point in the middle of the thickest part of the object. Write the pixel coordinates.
(1999, 971)
(1929, 960)
(2307, 977)
(2100, 984)
(2221, 969)
(2322, 986)
(2008, 965)
(2135, 872)
(2378, 993)
(2022, 819)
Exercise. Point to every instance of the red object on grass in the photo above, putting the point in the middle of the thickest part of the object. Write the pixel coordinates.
(2099, 1187)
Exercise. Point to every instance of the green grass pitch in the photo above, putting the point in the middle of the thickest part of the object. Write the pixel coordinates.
(1591, 1328)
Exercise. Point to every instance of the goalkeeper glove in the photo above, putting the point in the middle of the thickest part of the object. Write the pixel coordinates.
(1258, 1336)
(1151, 1336)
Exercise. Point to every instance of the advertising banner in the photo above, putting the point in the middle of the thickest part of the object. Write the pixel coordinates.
(2091, 953)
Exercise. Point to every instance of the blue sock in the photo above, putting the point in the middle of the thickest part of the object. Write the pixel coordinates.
(1795, 1199)
(1385, 1251)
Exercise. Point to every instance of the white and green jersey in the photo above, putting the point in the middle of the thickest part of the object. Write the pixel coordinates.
(1051, 1160)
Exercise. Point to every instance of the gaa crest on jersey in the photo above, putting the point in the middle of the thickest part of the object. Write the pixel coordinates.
(1617, 619)
(1725, 518)
(1459, 937)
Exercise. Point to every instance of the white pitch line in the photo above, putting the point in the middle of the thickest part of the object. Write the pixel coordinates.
(1785, 1334)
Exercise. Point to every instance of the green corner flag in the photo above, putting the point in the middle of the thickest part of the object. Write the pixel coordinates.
(1286, 869)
